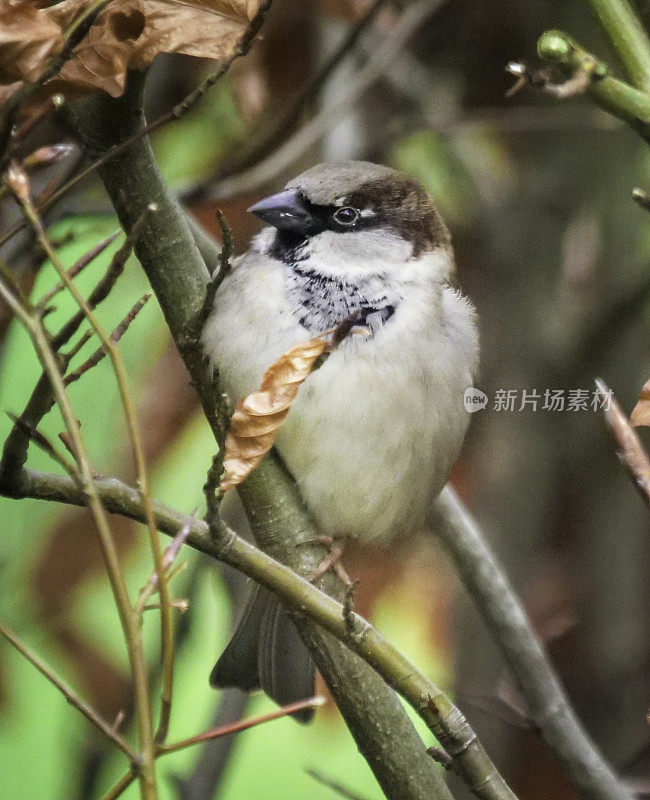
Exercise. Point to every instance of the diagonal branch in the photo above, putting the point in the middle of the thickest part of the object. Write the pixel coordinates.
(444, 719)
(399, 759)
(504, 616)
(628, 37)
(88, 711)
(89, 495)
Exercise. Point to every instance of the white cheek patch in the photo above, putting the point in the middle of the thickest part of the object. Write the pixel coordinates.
(357, 253)
(367, 212)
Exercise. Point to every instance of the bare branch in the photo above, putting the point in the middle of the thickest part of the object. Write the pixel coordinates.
(505, 618)
(628, 445)
(77, 267)
(84, 708)
(242, 725)
(33, 323)
(444, 719)
(115, 337)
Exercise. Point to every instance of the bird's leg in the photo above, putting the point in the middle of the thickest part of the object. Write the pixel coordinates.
(332, 560)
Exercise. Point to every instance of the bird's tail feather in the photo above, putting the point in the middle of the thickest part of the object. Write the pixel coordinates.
(266, 652)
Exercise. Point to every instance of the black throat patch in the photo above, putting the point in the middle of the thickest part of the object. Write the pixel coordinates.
(323, 302)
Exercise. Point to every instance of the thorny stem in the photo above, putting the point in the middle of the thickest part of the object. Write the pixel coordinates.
(72, 698)
(130, 623)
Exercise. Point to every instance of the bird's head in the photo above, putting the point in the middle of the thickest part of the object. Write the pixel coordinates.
(353, 215)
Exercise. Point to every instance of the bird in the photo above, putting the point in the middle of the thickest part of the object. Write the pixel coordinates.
(374, 432)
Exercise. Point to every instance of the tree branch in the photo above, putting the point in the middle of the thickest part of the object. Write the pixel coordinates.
(549, 708)
(178, 276)
(444, 719)
(88, 711)
(87, 489)
(616, 96)
(628, 37)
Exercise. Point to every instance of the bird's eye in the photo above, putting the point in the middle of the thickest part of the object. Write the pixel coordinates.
(346, 215)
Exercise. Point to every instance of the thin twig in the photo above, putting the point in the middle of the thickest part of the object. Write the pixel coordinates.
(81, 342)
(105, 285)
(242, 725)
(169, 556)
(32, 321)
(84, 708)
(115, 337)
(216, 279)
(166, 622)
(505, 618)
(121, 786)
(335, 786)
(41, 441)
(15, 448)
(628, 445)
(77, 267)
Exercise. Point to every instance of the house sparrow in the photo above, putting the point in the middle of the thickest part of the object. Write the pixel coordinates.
(373, 433)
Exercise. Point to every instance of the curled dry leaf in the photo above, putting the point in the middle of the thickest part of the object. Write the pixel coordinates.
(257, 418)
(641, 412)
(127, 34)
(28, 37)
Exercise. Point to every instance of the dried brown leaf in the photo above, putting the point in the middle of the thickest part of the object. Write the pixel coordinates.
(28, 37)
(127, 34)
(257, 418)
(641, 412)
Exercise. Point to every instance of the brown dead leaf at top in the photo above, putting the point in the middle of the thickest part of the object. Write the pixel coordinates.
(641, 412)
(257, 418)
(127, 34)
(28, 38)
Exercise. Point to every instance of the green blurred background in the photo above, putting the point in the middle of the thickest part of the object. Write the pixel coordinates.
(553, 252)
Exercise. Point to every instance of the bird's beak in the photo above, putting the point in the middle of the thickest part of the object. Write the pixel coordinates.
(286, 211)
